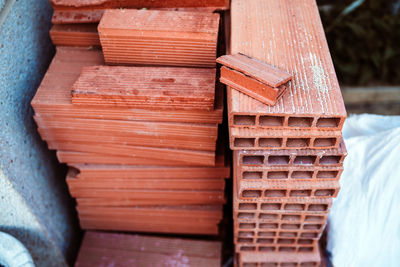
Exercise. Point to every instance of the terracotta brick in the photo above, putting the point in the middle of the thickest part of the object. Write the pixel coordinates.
(75, 35)
(76, 11)
(255, 139)
(292, 38)
(53, 97)
(177, 38)
(288, 158)
(253, 77)
(145, 87)
(283, 258)
(102, 249)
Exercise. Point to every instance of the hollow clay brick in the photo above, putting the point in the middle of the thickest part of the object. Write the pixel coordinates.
(253, 77)
(256, 139)
(53, 97)
(145, 87)
(103, 249)
(75, 35)
(76, 11)
(282, 258)
(169, 38)
(290, 37)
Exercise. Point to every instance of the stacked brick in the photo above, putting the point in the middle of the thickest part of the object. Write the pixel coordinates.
(288, 157)
(141, 142)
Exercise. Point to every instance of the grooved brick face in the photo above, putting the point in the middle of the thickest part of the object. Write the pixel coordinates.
(176, 38)
(290, 37)
(75, 35)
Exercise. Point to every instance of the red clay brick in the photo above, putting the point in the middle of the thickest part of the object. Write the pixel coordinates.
(290, 37)
(177, 38)
(145, 87)
(103, 249)
(53, 97)
(75, 35)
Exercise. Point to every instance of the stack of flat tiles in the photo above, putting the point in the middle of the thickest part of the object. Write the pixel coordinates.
(288, 158)
(135, 37)
(84, 11)
(107, 249)
(147, 169)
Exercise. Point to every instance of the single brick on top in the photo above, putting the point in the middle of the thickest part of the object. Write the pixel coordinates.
(254, 78)
(154, 37)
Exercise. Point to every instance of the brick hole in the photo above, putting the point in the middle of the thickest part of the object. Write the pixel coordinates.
(309, 235)
(275, 193)
(265, 240)
(324, 192)
(245, 240)
(278, 160)
(246, 234)
(300, 193)
(268, 216)
(300, 122)
(251, 193)
(270, 142)
(244, 142)
(297, 207)
(290, 226)
(278, 175)
(268, 249)
(318, 207)
(304, 160)
(311, 218)
(267, 234)
(245, 264)
(298, 142)
(247, 120)
(291, 217)
(289, 264)
(327, 174)
(271, 206)
(324, 142)
(329, 160)
(288, 234)
(309, 264)
(247, 225)
(253, 160)
(312, 226)
(252, 175)
(268, 225)
(287, 249)
(328, 122)
(246, 215)
(285, 241)
(306, 249)
(302, 175)
(305, 241)
(271, 121)
(245, 248)
(247, 206)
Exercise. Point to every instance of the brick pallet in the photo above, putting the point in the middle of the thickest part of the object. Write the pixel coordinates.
(287, 158)
(141, 142)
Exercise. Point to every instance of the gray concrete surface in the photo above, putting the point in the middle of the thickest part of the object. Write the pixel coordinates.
(34, 203)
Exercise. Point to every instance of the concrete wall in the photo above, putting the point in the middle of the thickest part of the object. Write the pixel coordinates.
(34, 203)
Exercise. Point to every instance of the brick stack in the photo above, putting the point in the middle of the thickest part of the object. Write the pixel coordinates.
(287, 157)
(141, 146)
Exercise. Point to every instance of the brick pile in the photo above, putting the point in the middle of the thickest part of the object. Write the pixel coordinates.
(288, 157)
(140, 141)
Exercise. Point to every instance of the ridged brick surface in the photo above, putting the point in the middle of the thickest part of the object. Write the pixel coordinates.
(103, 249)
(53, 97)
(75, 35)
(153, 37)
(291, 37)
(145, 87)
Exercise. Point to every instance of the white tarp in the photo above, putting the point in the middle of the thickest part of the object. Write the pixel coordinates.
(364, 222)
